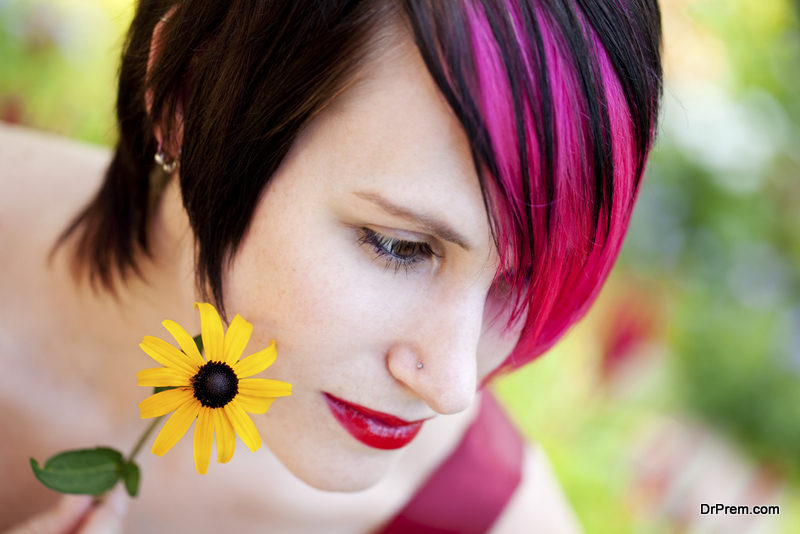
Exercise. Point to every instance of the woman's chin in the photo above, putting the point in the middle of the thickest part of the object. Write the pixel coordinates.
(304, 437)
(340, 473)
(348, 484)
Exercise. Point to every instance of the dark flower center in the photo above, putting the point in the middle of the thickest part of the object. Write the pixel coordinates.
(215, 384)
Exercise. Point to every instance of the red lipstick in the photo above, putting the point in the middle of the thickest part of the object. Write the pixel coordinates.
(375, 429)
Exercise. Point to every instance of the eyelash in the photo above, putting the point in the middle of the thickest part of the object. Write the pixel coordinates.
(386, 249)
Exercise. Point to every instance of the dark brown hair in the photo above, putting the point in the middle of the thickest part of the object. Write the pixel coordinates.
(245, 76)
(559, 100)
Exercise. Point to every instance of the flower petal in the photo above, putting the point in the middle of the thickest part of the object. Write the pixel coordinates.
(236, 339)
(226, 439)
(176, 427)
(185, 341)
(203, 434)
(243, 425)
(162, 376)
(164, 402)
(264, 387)
(167, 355)
(255, 363)
(211, 330)
(254, 404)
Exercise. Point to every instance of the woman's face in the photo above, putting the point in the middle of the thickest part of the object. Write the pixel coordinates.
(370, 251)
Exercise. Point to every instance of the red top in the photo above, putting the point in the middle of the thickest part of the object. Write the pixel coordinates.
(469, 490)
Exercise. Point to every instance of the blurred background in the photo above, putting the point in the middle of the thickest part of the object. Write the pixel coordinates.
(682, 385)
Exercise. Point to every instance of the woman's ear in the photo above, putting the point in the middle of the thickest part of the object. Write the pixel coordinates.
(172, 145)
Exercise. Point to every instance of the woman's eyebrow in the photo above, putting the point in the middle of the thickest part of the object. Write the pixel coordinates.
(428, 223)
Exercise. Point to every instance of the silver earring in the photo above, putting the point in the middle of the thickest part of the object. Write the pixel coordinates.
(161, 159)
(419, 365)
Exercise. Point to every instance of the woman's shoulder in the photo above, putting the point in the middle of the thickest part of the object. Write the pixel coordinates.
(538, 504)
(44, 181)
(39, 168)
(21, 142)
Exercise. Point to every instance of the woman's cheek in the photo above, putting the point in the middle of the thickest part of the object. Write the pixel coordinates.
(296, 294)
(496, 343)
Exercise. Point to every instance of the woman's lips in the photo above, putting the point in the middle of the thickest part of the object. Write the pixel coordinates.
(375, 429)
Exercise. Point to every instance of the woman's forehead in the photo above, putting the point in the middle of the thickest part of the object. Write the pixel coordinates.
(391, 134)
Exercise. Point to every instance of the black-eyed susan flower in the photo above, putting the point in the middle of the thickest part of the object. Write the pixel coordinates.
(216, 392)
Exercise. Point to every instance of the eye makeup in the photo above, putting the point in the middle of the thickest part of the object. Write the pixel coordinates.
(397, 253)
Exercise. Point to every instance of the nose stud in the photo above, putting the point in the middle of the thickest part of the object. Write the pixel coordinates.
(419, 365)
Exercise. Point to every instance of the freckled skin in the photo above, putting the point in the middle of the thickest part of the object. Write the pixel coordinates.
(344, 321)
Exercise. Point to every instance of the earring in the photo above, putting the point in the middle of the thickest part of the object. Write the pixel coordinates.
(419, 365)
(161, 159)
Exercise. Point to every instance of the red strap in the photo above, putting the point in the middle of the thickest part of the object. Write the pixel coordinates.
(467, 493)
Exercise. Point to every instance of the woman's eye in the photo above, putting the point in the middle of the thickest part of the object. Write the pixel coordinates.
(396, 253)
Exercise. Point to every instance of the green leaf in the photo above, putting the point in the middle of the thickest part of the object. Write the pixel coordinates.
(159, 389)
(130, 475)
(85, 471)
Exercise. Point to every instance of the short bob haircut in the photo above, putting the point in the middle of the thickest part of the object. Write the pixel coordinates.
(558, 98)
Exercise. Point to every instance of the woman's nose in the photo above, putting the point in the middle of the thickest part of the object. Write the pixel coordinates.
(437, 357)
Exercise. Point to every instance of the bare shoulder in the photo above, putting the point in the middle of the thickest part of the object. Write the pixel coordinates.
(45, 175)
(538, 505)
(44, 182)
(25, 150)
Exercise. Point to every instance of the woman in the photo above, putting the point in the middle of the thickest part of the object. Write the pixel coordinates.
(409, 197)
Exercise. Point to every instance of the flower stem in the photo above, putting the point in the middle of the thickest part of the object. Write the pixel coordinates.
(143, 438)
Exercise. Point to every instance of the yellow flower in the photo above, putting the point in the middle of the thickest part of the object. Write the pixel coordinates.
(217, 393)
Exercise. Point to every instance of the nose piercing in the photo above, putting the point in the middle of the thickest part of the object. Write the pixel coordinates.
(419, 365)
